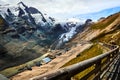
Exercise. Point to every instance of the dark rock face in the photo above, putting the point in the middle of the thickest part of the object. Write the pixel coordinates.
(88, 21)
(16, 36)
(7, 31)
(21, 12)
(3, 51)
(52, 19)
(102, 18)
(33, 10)
(58, 27)
(21, 30)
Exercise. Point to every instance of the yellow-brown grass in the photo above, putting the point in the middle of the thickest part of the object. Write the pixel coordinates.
(89, 53)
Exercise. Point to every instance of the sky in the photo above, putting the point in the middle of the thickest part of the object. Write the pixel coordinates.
(67, 8)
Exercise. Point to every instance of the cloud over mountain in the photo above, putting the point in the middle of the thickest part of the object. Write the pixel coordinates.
(66, 8)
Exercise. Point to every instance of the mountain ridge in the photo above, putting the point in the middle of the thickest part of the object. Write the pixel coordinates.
(99, 14)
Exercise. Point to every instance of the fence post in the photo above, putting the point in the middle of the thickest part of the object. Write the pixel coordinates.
(98, 66)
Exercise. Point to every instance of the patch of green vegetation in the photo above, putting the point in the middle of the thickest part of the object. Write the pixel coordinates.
(9, 72)
(95, 50)
(14, 70)
(104, 24)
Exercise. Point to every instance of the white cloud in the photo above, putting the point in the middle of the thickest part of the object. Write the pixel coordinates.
(66, 8)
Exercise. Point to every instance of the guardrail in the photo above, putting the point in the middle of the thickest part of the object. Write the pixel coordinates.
(100, 63)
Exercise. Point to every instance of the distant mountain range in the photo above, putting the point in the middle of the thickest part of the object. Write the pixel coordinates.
(96, 15)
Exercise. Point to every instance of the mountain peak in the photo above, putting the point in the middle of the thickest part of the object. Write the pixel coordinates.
(21, 3)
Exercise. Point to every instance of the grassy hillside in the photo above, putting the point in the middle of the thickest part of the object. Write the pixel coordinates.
(112, 37)
(95, 50)
(104, 23)
(91, 52)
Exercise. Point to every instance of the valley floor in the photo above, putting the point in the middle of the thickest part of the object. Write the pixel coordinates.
(54, 64)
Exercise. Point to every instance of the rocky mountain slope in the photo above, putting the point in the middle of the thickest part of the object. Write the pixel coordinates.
(26, 33)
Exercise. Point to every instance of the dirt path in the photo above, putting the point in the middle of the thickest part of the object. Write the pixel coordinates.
(54, 64)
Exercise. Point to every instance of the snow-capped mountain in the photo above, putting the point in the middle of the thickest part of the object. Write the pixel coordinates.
(30, 14)
(70, 28)
(26, 23)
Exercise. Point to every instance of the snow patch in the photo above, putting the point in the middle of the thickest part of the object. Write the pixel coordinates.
(37, 17)
(67, 36)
